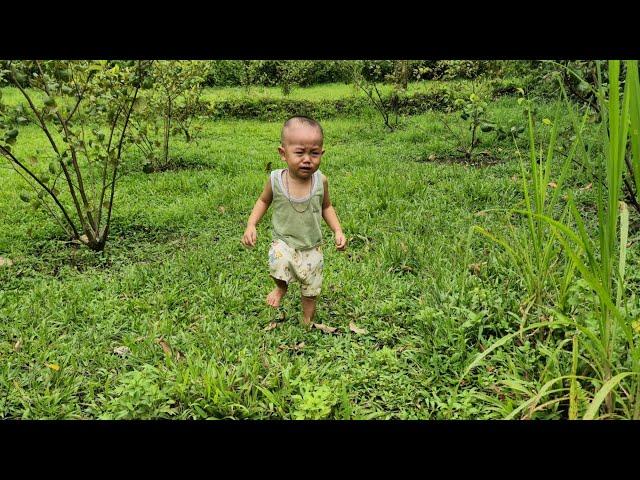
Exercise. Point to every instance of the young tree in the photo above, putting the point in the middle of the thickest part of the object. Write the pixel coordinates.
(169, 106)
(364, 74)
(84, 113)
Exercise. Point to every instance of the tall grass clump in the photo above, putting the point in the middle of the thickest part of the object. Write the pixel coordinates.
(633, 163)
(535, 251)
(605, 349)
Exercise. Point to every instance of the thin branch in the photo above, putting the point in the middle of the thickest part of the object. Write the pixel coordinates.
(8, 154)
(53, 144)
(106, 163)
(76, 166)
(124, 129)
(51, 213)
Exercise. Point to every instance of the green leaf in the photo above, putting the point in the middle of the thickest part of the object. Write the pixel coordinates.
(25, 197)
(52, 168)
(594, 406)
(583, 86)
(49, 102)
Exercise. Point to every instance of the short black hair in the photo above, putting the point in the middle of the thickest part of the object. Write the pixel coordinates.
(303, 120)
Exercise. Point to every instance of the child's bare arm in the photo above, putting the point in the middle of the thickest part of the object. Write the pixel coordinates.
(330, 216)
(250, 234)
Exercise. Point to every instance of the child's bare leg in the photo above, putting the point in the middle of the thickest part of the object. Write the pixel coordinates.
(308, 309)
(277, 293)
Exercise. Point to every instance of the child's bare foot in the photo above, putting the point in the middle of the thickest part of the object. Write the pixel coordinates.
(275, 296)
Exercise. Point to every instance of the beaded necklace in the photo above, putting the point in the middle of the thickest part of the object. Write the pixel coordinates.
(289, 195)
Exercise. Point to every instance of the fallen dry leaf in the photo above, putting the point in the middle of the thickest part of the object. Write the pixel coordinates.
(432, 157)
(53, 366)
(165, 346)
(122, 351)
(354, 329)
(515, 178)
(5, 262)
(84, 239)
(324, 328)
(475, 268)
(271, 326)
(587, 186)
(221, 209)
(552, 185)
(481, 213)
(295, 348)
(17, 345)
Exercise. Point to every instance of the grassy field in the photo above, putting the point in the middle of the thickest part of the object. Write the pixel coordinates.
(315, 93)
(178, 290)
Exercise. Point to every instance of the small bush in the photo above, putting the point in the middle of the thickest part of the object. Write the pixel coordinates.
(270, 73)
(274, 109)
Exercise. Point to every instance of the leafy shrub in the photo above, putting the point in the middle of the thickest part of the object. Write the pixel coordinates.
(225, 73)
(87, 157)
(139, 396)
(277, 72)
(314, 402)
(275, 109)
(452, 69)
(171, 103)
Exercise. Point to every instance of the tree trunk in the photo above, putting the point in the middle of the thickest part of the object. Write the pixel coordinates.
(167, 130)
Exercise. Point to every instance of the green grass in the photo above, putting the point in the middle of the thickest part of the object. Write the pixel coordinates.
(315, 93)
(174, 269)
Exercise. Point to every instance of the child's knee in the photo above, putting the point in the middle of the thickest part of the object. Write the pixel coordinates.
(309, 293)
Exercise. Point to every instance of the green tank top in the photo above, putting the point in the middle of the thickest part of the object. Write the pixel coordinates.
(298, 228)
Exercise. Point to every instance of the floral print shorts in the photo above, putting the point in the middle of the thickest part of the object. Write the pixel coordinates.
(305, 266)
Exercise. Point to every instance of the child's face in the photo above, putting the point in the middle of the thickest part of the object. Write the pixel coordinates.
(302, 150)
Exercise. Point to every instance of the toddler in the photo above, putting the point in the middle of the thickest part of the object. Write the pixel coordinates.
(300, 198)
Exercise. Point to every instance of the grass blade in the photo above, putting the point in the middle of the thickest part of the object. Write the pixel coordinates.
(573, 390)
(592, 410)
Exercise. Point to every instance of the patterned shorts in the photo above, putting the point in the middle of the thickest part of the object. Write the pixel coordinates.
(305, 266)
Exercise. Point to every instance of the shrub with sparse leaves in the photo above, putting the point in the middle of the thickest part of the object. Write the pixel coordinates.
(170, 105)
(84, 115)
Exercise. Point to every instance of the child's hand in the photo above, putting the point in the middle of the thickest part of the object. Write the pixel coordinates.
(341, 241)
(250, 236)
